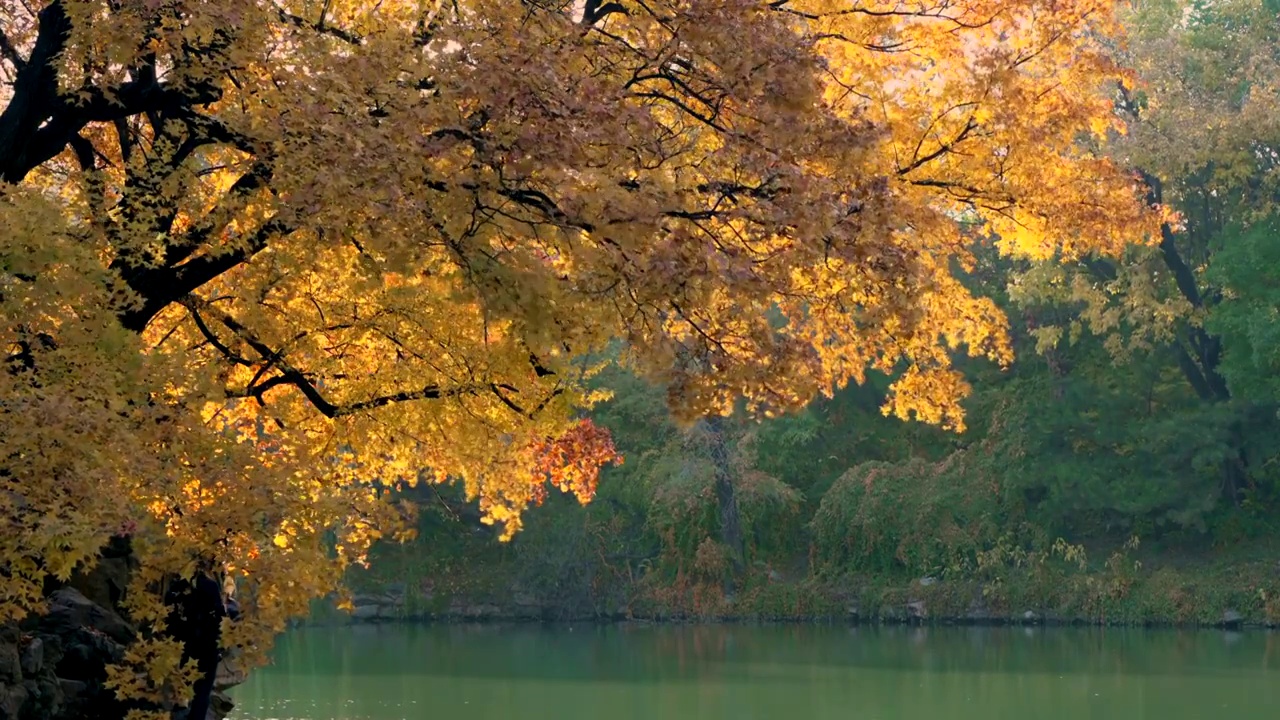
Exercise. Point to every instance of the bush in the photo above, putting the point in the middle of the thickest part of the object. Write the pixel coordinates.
(914, 516)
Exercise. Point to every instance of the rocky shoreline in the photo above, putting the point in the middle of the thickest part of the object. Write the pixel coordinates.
(394, 605)
(53, 665)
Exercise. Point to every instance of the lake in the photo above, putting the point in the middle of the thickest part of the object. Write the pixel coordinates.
(791, 672)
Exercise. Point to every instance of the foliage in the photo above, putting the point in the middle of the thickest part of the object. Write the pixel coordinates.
(266, 260)
(1142, 402)
(1201, 125)
(683, 508)
(1247, 319)
(919, 517)
(1121, 451)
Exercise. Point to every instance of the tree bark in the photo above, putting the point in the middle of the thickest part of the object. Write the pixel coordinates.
(726, 498)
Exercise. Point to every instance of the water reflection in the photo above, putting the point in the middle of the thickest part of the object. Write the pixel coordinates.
(798, 671)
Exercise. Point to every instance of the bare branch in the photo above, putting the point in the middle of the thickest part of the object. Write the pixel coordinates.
(292, 376)
(320, 26)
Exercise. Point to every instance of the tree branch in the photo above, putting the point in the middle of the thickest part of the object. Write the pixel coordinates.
(162, 286)
(292, 376)
(34, 95)
(319, 26)
(597, 10)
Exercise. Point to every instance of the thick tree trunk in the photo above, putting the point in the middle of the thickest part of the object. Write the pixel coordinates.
(28, 137)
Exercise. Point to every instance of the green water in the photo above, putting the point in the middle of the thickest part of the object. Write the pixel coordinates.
(756, 673)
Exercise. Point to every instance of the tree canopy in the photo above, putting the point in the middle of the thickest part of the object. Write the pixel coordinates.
(265, 258)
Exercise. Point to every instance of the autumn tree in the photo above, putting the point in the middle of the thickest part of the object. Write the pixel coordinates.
(264, 258)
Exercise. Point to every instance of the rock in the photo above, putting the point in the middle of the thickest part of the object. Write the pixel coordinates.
(366, 612)
(220, 706)
(45, 699)
(71, 688)
(230, 672)
(10, 662)
(368, 607)
(86, 655)
(979, 612)
(1231, 617)
(852, 610)
(106, 583)
(69, 662)
(52, 647)
(482, 610)
(53, 665)
(1030, 616)
(926, 581)
(12, 698)
(32, 657)
(916, 609)
(69, 610)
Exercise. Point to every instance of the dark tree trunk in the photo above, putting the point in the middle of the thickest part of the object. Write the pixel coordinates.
(726, 498)
(196, 620)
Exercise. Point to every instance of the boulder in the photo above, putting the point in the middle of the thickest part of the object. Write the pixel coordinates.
(53, 665)
(71, 688)
(106, 583)
(481, 611)
(220, 706)
(230, 672)
(979, 612)
(12, 700)
(69, 610)
(28, 688)
(366, 612)
(32, 657)
(916, 610)
(45, 698)
(10, 660)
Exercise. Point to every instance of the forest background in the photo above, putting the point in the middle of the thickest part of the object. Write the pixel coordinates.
(1126, 468)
